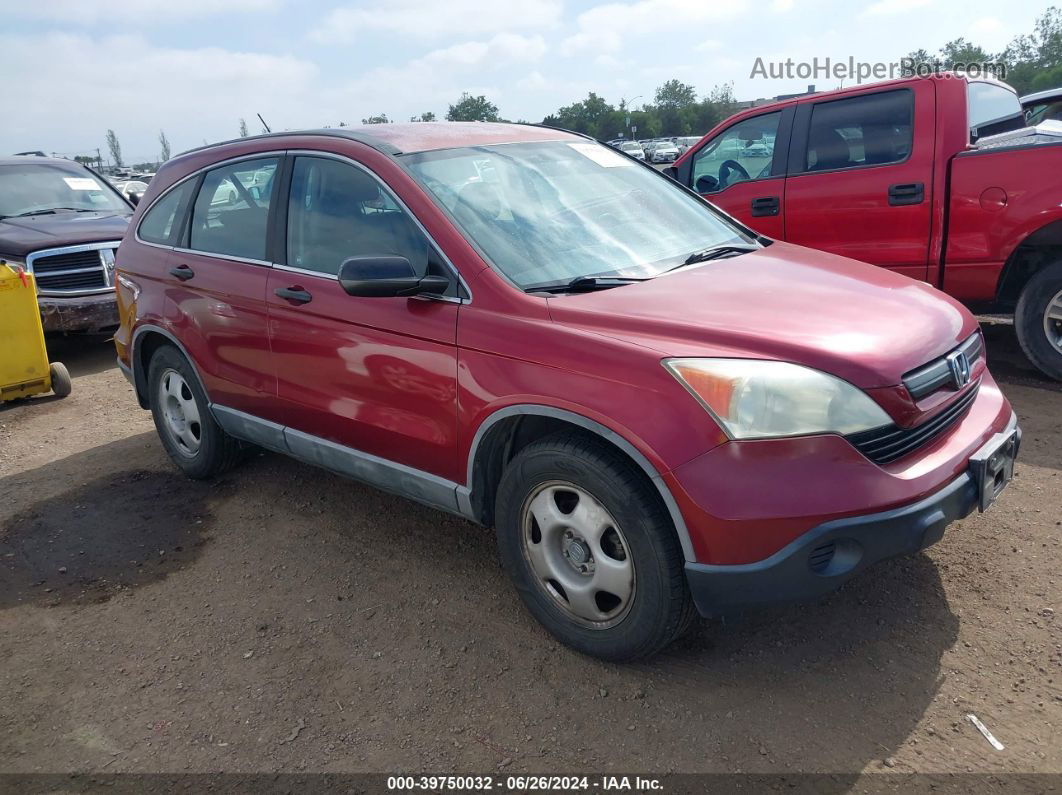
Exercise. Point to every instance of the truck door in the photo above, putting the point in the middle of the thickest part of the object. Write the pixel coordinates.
(860, 181)
(742, 171)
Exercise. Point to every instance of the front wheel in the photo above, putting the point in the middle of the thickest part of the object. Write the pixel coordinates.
(1038, 320)
(591, 548)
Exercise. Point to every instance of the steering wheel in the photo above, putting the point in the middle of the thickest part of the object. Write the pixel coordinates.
(729, 167)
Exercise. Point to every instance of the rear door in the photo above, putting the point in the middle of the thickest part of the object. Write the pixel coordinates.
(742, 170)
(860, 179)
(378, 375)
(217, 284)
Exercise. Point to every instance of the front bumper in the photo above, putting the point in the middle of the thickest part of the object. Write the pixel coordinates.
(826, 556)
(83, 313)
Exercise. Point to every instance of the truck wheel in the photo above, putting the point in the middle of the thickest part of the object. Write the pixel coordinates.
(591, 549)
(61, 383)
(1038, 320)
(194, 441)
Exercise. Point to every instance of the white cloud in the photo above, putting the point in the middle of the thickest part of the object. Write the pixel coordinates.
(709, 45)
(781, 6)
(435, 19)
(886, 7)
(990, 32)
(87, 12)
(190, 93)
(533, 81)
(603, 28)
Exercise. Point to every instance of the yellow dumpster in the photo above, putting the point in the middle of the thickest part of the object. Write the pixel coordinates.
(24, 368)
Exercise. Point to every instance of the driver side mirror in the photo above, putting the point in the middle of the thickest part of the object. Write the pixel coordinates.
(672, 172)
(386, 277)
(134, 198)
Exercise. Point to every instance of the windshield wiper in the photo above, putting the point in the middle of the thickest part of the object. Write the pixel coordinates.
(51, 210)
(584, 284)
(717, 252)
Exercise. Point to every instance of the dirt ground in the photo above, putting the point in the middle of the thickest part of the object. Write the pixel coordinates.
(284, 619)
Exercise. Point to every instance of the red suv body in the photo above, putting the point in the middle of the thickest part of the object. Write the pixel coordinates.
(932, 177)
(652, 404)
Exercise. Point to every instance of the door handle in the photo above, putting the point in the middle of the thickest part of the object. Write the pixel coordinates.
(767, 205)
(294, 294)
(182, 272)
(907, 193)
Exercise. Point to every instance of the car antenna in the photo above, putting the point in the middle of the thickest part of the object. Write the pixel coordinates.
(259, 115)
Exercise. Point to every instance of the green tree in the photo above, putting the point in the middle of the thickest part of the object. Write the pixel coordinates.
(429, 116)
(675, 94)
(470, 108)
(164, 147)
(959, 51)
(381, 119)
(115, 148)
(1033, 61)
(243, 128)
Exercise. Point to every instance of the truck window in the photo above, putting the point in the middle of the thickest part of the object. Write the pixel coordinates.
(992, 109)
(743, 152)
(868, 130)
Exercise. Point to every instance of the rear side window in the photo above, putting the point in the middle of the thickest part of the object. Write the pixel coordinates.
(869, 130)
(337, 211)
(160, 223)
(992, 109)
(231, 212)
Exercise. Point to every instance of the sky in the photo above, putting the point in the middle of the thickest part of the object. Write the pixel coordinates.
(71, 69)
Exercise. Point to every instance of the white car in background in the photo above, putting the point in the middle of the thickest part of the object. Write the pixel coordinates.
(632, 148)
(663, 152)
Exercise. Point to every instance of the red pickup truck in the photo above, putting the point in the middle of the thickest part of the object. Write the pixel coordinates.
(933, 177)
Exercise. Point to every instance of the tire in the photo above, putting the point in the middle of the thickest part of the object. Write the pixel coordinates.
(60, 376)
(1041, 336)
(591, 485)
(191, 437)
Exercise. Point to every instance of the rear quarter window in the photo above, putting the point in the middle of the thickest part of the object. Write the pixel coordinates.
(161, 223)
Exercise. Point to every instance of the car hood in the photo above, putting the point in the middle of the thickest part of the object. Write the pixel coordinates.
(21, 236)
(864, 324)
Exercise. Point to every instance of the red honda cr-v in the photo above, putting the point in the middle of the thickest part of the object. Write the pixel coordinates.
(656, 407)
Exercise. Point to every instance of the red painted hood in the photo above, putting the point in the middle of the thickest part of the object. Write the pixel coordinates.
(864, 324)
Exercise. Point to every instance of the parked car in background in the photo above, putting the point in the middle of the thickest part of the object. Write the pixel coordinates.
(685, 142)
(908, 175)
(1042, 106)
(62, 222)
(632, 148)
(663, 152)
(131, 189)
(481, 317)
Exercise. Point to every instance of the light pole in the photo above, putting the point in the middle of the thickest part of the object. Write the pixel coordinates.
(627, 110)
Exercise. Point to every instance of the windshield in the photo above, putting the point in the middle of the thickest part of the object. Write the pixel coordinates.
(37, 187)
(554, 211)
(630, 146)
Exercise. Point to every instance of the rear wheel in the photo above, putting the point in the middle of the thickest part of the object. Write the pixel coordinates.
(194, 441)
(591, 548)
(1038, 320)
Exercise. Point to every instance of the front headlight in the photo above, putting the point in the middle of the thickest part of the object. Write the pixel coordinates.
(758, 399)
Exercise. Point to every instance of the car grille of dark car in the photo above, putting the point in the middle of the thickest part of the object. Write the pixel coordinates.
(72, 271)
(891, 442)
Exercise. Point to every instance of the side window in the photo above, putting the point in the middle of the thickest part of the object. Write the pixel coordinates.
(992, 109)
(744, 151)
(337, 211)
(231, 212)
(160, 223)
(869, 130)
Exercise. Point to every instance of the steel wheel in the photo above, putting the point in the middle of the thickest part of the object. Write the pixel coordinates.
(180, 413)
(1053, 320)
(578, 554)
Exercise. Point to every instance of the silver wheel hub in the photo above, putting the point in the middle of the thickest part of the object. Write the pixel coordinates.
(1053, 320)
(180, 414)
(578, 554)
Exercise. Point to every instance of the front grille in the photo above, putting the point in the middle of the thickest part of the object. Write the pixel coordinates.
(928, 378)
(890, 442)
(73, 269)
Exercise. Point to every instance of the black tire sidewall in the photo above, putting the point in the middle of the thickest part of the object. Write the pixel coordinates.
(655, 615)
(1029, 320)
(205, 462)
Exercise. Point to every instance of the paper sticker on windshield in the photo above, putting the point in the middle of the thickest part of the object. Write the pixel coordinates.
(81, 183)
(602, 156)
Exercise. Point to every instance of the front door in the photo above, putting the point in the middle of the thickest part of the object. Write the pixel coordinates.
(737, 171)
(375, 376)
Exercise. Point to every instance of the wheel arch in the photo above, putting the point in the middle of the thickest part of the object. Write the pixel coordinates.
(146, 340)
(1035, 251)
(508, 430)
